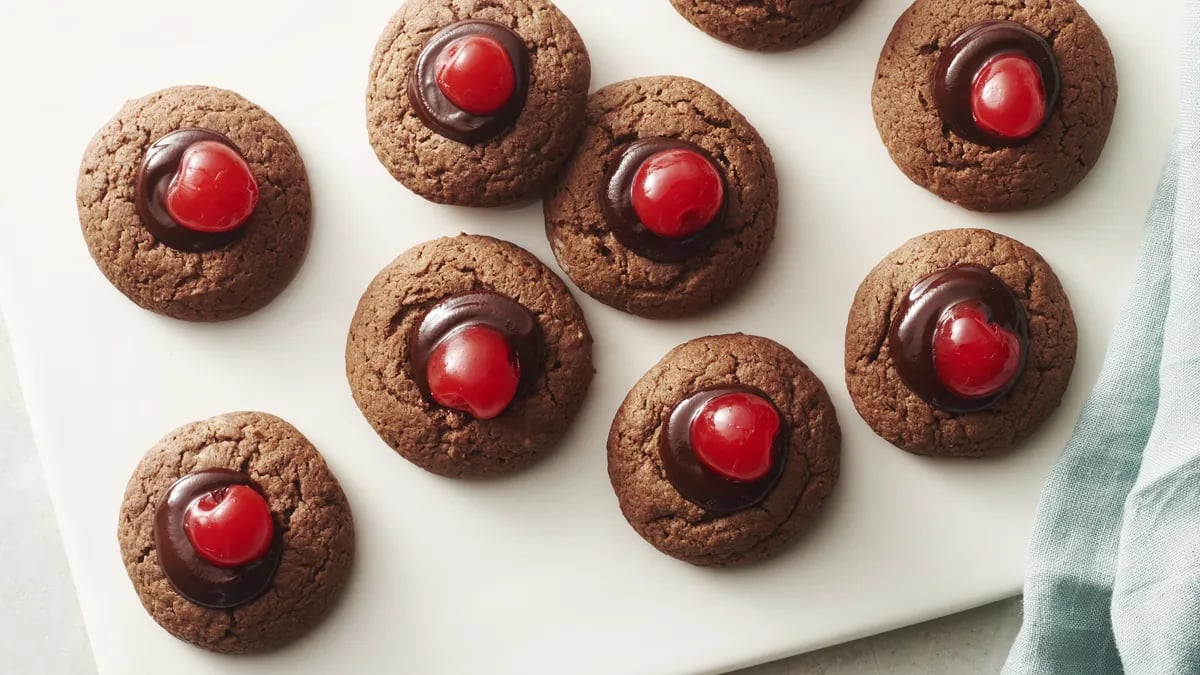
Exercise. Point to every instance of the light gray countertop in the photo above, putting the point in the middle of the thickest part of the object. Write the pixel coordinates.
(41, 630)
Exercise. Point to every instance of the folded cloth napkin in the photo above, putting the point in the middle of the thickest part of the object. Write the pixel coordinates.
(1114, 572)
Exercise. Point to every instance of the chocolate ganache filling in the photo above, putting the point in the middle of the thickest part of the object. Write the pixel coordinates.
(159, 166)
(191, 575)
(911, 337)
(701, 485)
(960, 63)
(514, 321)
(616, 202)
(439, 113)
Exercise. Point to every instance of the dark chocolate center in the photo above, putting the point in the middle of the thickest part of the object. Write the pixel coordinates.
(954, 75)
(616, 202)
(699, 484)
(440, 113)
(910, 339)
(159, 166)
(518, 325)
(192, 576)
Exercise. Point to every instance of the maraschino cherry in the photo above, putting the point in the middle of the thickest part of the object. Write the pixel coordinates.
(734, 435)
(974, 358)
(1008, 97)
(476, 74)
(474, 370)
(677, 193)
(230, 526)
(214, 189)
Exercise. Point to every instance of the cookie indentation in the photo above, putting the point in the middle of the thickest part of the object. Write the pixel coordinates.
(458, 96)
(683, 224)
(983, 99)
(193, 573)
(719, 452)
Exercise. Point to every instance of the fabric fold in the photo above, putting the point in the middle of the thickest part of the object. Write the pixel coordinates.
(1114, 569)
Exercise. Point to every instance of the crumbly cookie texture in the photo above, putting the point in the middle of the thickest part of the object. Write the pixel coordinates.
(671, 107)
(902, 418)
(444, 441)
(978, 177)
(766, 25)
(519, 163)
(214, 285)
(308, 503)
(680, 528)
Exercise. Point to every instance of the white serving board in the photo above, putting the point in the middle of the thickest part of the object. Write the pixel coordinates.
(538, 572)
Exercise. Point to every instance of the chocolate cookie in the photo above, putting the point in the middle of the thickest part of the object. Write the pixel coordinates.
(724, 451)
(959, 343)
(477, 104)
(236, 535)
(468, 356)
(995, 105)
(766, 25)
(669, 202)
(165, 218)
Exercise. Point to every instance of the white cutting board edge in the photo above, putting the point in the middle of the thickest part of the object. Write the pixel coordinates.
(536, 573)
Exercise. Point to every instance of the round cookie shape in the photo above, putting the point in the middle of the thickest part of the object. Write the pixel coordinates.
(440, 439)
(521, 146)
(679, 526)
(244, 271)
(1000, 175)
(766, 25)
(578, 227)
(314, 530)
(910, 422)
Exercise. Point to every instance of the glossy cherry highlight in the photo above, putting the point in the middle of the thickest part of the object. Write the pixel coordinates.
(474, 370)
(734, 436)
(677, 193)
(214, 189)
(230, 526)
(476, 74)
(1008, 97)
(974, 358)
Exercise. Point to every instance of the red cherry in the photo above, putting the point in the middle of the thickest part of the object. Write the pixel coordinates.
(475, 73)
(677, 193)
(974, 358)
(230, 526)
(214, 189)
(474, 370)
(733, 435)
(1008, 97)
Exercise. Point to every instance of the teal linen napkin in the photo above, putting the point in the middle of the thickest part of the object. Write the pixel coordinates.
(1114, 571)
